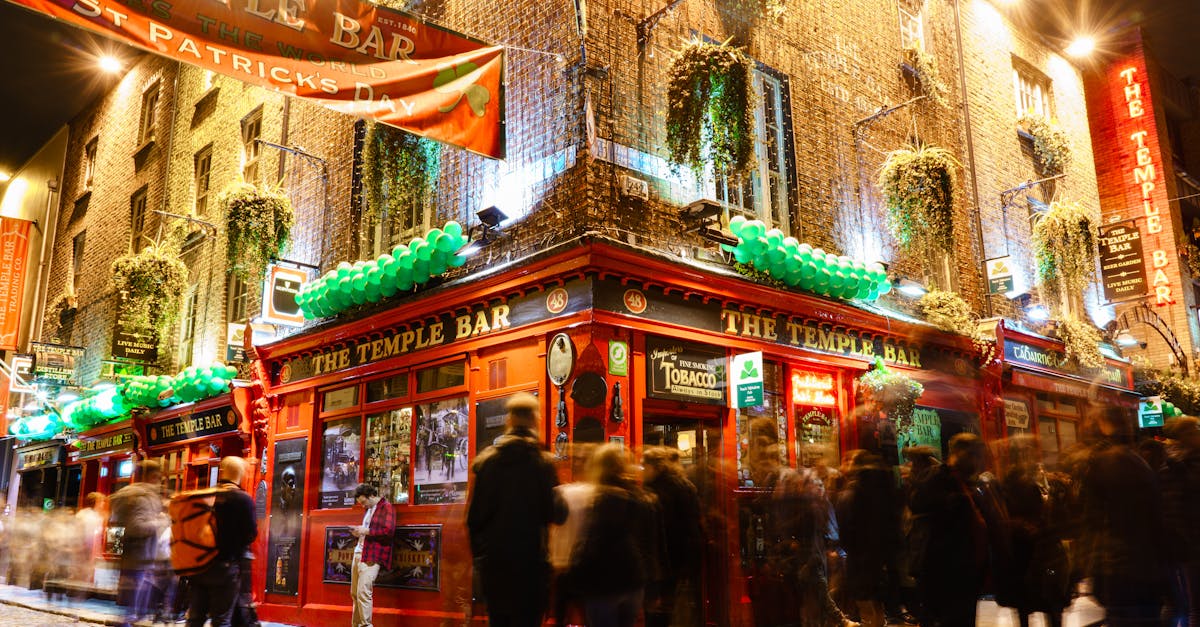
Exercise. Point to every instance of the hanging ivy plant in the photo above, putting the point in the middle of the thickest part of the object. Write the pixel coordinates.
(152, 282)
(1064, 245)
(918, 188)
(399, 170)
(1191, 254)
(1082, 341)
(1051, 147)
(770, 9)
(710, 118)
(949, 312)
(258, 224)
(895, 392)
(925, 70)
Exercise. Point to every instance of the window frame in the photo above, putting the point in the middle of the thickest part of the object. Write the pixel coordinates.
(1031, 87)
(90, 151)
(187, 331)
(237, 300)
(78, 250)
(148, 121)
(139, 209)
(202, 180)
(911, 24)
(251, 148)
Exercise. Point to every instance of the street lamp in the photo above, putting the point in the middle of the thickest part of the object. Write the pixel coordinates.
(109, 64)
(1082, 46)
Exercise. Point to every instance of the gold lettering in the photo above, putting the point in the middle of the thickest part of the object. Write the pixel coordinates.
(827, 340)
(481, 325)
(889, 352)
(500, 317)
(810, 337)
(462, 327)
(750, 325)
(731, 321)
(769, 329)
(406, 340)
(435, 334)
(793, 331)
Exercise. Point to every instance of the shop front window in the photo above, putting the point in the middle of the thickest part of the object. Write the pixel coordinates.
(340, 461)
(389, 453)
(443, 452)
(762, 432)
(816, 417)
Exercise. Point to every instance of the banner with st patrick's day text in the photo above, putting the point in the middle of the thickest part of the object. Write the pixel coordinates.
(14, 249)
(351, 56)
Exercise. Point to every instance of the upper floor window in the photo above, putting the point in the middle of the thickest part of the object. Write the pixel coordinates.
(77, 246)
(89, 163)
(1032, 92)
(396, 202)
(137, 219)
(912, 24)
(149, 115)
(187, 332)
(203, 170)
(239, 300)
(251, 148)
(764, 195)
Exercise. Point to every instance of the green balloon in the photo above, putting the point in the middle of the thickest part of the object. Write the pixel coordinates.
(453, 228)
(343, 270)
(824, 276)
(437, 266)
(735, 225)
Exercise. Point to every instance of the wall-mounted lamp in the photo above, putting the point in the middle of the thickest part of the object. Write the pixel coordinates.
(489, 223)
(1038, 313)
(910, 288)
(704, 218)
(1125, 339)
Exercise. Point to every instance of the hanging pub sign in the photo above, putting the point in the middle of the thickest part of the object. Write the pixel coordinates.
(1122, 265)
(1150, 412)
(39, 456)
(925, 430)
(681, 371)
(98, 446)
(353, 57)
(235, 339)
(22, 367)
(191, 426)
(14, 249)
(54, 363)
(131, 342)
(279, 301)
(1000, 275)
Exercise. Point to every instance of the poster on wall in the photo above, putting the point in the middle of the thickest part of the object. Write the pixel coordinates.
(340, 462)
(416, 557)
(816, 434)
(389, 454)
(442, 452)
(925, 430)
(287, 508)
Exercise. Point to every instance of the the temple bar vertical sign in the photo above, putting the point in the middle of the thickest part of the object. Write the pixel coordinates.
(351, 56)
(1122, 265)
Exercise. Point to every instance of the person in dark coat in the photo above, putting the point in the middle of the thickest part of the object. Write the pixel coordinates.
(1122, 533)
(1032, 572)
(1181, 499)
(617, 557)
(680, 506)
(953, 565)
(511, 507)
(868, 514)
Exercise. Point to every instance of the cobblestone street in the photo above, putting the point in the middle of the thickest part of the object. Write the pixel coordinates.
(13, 616)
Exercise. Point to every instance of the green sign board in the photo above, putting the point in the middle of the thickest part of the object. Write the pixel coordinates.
(1150, 412)
(747, 380)
(618, 358)
(1000, 275)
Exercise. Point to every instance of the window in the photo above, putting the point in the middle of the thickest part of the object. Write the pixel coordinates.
(765, 194)
(187, 334)
(763, 442)
(251, 149)
(441, 377)
(239, 299)
(384, 225)
(89, 163)
(137, 219)
(77, 246)
(149, 115)
(208, 80)
(1032, 91)
(912, 24)
(203, 170)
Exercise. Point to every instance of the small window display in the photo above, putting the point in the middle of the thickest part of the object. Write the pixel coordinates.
(387, 388)
(443, 452)
(441, 377)
(342, 398)
(389, 453)
(340, 462)
(762, 430)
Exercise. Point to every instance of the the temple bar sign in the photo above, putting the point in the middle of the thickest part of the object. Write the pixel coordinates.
(814, 336)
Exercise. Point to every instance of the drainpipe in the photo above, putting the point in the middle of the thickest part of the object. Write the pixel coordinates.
(962, 81)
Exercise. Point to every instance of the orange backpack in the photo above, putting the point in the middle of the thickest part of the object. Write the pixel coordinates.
(193, 530)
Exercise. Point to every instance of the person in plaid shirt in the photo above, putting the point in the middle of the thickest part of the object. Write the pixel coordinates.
(373, 551)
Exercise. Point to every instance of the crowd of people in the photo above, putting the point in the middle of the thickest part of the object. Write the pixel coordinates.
(869, 542)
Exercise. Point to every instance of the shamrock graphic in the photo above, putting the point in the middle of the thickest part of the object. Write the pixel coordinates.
(1151, 406)
(748, 371)
(461, 79)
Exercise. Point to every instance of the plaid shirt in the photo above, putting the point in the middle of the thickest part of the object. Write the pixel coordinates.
(377, 546)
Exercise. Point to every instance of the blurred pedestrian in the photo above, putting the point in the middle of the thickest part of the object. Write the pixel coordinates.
(1123, 535)
(1033, 573)
(1181, 501)
(575, 500)
(214, 592)
(868, 515)
(512, 504)
(674, 602)
(953, 564)
(372, 552)
(617, 557)
(138, 509)
(90, 520)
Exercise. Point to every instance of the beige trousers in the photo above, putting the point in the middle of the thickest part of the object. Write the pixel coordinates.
(362, 584)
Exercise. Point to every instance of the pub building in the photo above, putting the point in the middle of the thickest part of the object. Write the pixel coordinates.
(1048, 396)
(43, 481)
(190, 439)
(620, 345)
(104, 455)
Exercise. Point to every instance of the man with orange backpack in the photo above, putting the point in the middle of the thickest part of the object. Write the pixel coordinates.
(214, 591)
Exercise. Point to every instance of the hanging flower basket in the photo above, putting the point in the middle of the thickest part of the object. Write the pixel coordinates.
(895, 392)
(918, 188)
(1051, 146)
(152, 282)
(258, 224)
(710, 118)
(1082, 342)
(399, 170)
(949, 312)
(1064, 245)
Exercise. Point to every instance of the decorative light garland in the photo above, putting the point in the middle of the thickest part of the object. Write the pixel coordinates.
(801, 265)
(362, 282)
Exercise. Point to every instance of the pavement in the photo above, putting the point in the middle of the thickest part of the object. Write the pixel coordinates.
(32, 608)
